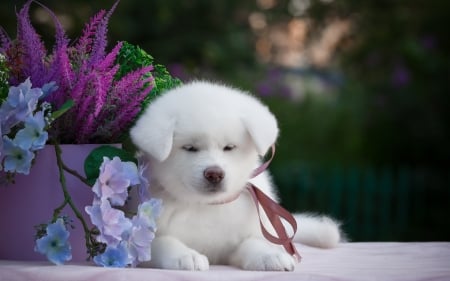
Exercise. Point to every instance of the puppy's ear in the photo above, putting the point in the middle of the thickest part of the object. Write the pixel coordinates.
(261, 125)
(153, 133)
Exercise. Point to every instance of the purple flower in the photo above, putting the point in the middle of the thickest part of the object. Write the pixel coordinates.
(113, 256)
(121, 234)
(114, 179)
(55, 244)
(16, 158)
(143, 230)
(139, 243)
(111, 222)
(85, 72)
(33, 136)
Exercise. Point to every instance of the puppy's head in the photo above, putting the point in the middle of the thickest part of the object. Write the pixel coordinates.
(203, 140)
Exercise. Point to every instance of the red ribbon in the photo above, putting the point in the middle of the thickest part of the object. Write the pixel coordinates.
(274, 213)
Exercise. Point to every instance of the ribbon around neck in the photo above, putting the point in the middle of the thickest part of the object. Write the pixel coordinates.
(274, 213)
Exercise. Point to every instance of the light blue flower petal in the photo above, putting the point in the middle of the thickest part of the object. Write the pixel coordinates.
(130, 171)
(42, 244)
(95, 214)
(149, 211)
(37, 120)
(48, 88)
(16, 158)
(33, 135)
(60, 255)
(58, 230)
(40, 142)
(113, 257)
(24, 138)
(55, 244)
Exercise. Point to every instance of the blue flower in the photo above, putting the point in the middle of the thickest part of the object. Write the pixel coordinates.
(113, 256)
(124, 237)
(143, 231)
(111, 222)
(23, 95)
(21, 102)
(16, 159)
(139, 243)
(33, 136)
(48, 88)
(55, 244)
(148, 211)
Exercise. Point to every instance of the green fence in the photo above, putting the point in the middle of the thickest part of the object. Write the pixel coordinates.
(384, 204)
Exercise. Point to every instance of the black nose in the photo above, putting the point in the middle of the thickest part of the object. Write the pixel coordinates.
(214, 174)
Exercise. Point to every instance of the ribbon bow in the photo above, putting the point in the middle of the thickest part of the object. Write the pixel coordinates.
(274, 213)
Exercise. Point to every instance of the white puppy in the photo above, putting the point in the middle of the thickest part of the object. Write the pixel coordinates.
(203, 141)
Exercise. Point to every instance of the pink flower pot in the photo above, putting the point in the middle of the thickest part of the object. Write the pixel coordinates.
(32, 199)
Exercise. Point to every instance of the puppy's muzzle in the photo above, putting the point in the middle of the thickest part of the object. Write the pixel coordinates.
(214, 175)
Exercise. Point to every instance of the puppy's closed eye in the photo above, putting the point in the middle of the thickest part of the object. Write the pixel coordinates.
(229, 147)
(190, 148)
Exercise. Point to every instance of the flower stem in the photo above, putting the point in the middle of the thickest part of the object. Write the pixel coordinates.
(68, 198)
(58, 210)
(75, 174)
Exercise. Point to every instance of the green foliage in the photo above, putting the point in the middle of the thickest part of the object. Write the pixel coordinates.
(63, 109)
(399, 52)
(320, 130)
(132, 57)
(163, 81)
(4, 85)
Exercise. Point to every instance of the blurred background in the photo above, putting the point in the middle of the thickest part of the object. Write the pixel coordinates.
(361, 90)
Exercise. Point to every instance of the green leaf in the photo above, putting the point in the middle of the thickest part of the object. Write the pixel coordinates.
(63, 109)
(94, 160)
(4, 75)
(163, 82)
(131, 58)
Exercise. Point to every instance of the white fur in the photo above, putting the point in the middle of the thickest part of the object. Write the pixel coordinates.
(193, 230)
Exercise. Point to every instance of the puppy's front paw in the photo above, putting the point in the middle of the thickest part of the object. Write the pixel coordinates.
(258, 254)
(189, 261)
(270, 262)
(170, 253)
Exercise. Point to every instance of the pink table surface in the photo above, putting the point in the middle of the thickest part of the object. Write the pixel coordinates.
(350, 261)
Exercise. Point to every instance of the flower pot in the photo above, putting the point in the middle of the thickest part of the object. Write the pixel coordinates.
(32, 199)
